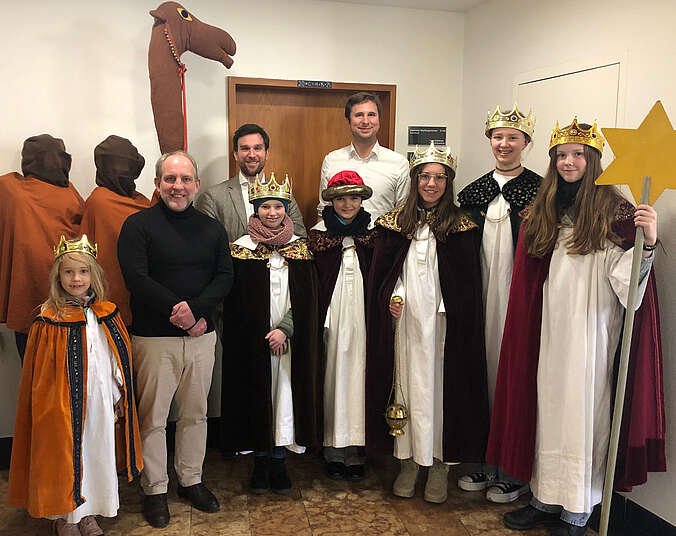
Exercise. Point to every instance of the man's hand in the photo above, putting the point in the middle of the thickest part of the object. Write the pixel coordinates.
(181, 316)
(277, 340)
(198, 329)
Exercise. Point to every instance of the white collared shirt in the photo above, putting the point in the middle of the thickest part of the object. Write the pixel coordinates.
(244, 184)
(385, 171)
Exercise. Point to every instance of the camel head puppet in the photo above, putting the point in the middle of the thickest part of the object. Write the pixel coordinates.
(176, 30)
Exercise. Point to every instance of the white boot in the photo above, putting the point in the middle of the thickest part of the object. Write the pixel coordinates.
(404, 484)
(436, 488)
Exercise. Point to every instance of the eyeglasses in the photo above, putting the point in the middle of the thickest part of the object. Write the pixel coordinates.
(438, 177)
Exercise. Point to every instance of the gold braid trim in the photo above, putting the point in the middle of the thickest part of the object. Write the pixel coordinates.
(297, 250)
(463, 224)
(319, 241)
(261, 253)
(389, 219)
(323, 241)
(625, 211)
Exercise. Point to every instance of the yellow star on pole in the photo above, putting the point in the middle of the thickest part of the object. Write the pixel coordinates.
(648, 150)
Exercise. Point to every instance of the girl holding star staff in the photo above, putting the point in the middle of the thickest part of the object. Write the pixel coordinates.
(563, 326)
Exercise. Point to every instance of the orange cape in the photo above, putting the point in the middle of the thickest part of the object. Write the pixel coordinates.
(45, 475)
(33, 215)
(104, 214)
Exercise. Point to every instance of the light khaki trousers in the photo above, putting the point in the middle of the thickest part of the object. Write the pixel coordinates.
(179, 369)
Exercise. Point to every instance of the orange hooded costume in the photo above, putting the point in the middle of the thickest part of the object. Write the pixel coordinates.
(46, 468)
(36, 209)
(118, 164)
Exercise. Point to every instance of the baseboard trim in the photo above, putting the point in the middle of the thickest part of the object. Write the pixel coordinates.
(628, 518)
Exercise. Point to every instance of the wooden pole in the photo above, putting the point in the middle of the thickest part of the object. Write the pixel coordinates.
(622, 372)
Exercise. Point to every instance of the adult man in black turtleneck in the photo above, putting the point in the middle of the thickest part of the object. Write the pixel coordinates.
(176, 264)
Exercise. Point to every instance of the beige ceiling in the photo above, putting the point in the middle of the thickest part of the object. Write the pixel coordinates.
(438, 5)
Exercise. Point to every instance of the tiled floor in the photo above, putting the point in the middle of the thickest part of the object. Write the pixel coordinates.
(317, 507)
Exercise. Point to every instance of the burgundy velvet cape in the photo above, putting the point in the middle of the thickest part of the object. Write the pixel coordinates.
(511, 444)
(328, 253)
(246, 400)
(465, 396)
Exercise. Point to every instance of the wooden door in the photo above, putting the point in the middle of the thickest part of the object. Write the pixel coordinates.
(304, 124)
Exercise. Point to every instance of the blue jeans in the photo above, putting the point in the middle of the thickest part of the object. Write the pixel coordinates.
(572, 518)
(279, 453)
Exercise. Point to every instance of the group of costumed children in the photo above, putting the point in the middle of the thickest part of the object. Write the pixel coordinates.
(321, 334)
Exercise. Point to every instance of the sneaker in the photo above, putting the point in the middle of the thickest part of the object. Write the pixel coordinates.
(477, 481)
(502, 491)
(404, 484)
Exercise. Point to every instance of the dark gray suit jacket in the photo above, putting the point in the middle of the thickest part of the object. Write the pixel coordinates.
(224, 202)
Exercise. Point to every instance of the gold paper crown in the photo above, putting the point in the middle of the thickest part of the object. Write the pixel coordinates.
(574, 133)
(75, 246)
(514, 119)
(271, 188)
(433, 154)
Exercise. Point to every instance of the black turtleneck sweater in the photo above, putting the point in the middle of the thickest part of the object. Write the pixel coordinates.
(168, 257)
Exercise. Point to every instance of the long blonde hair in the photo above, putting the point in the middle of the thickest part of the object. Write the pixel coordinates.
(595, 208)
(58, 296)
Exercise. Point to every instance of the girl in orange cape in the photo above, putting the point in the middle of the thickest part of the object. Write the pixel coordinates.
(76, 393)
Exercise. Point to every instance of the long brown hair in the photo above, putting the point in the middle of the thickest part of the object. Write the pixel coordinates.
(448, 213)
(58, 296)
(594, 207)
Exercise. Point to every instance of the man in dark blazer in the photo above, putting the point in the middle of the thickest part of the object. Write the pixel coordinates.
(228, 201)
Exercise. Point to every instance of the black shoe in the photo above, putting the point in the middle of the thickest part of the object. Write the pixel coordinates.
(260, 481)
(279, 480)
(355, 473)
(335, 470)
(529, 517)
(156, 511)
(566, 529)
(200, 497)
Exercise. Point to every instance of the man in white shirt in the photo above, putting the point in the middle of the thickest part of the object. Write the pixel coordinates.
(383, 170)
(228, 201)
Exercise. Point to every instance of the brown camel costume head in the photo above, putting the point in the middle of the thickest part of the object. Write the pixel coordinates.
(175, 31)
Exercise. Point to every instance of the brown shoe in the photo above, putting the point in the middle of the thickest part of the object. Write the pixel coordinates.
(89, 526)
(61, 528)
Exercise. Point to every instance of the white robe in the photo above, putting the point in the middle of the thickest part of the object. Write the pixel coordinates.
(582, 313)
(345, 343)
(497, 262)
(280, 366)
(420, 342)
(99, 475)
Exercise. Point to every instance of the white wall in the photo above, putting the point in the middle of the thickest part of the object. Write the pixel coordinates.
(78, 70)
(548, 33)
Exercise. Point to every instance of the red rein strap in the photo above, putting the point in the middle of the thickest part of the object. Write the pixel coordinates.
(181, 71)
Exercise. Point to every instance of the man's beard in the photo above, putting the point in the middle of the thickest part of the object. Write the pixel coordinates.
(245, 171)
